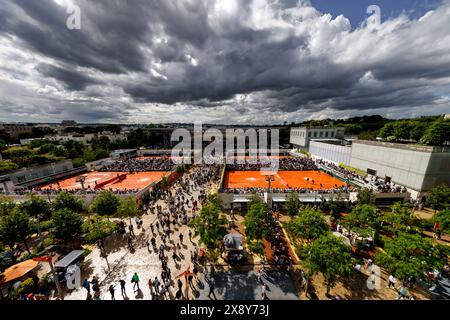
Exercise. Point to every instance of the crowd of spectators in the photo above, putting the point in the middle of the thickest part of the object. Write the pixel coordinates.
(285, 164)
(86, 191)
(344, 189)
(139, 165)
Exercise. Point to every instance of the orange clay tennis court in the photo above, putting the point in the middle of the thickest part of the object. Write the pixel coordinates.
(283, 180)
(137, 180)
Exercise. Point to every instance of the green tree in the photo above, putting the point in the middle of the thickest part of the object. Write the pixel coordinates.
(308, 226)
(292, 204)
(36, 206)
(409, 255)
(105, 203)
(400, 217)
(438, 133)
(257, 221)
(15, 227)
(128, 208)
(443, 219)
(363, 220)
(388, 130)
(8, 166)
(66, 200)
(439, 197)
(74, 149)
(97, 228)
(365, 196)
(210, 226)
(6, 205)
(330, 256)
(66, 224)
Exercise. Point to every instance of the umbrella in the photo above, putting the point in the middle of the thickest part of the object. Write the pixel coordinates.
(18, 270)
(344, 238)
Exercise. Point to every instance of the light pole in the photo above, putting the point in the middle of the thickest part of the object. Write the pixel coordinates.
(55, 277)
(269, 179)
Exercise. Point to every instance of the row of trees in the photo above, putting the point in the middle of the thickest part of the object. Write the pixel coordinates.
(257, 222)
(426, 130)
(62, 218)
(210, 226)
(404, 250)
(319, 249)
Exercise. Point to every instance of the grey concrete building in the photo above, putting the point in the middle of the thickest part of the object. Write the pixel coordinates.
(331, 150)
(301, 137)
(419, 168)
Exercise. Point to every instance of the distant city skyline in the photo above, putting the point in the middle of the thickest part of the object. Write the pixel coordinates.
(222, 62)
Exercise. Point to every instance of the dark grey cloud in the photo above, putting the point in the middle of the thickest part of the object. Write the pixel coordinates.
(279, 56)
(72, 80)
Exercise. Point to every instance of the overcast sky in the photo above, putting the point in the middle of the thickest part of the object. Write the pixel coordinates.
(222, 61)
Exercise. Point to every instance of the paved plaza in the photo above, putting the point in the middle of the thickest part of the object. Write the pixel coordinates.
(244, 285)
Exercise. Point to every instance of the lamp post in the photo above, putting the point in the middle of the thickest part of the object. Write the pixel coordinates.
(269, 179)
(55, 276)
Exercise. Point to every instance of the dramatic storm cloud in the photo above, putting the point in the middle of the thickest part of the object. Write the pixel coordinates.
(222, 61)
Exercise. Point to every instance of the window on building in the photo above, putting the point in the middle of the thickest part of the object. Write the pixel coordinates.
(320, 134)
(332, 134)
(315, 134)
(326, 134)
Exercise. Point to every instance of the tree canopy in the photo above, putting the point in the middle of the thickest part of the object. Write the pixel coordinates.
(97, 228)
(363, 220)
(292, 204)
(127, 207)
(365, 196)
(66, 224)
(15, 227)
(409, 255)
(66, 200)
(439, 197)
(106, 203)
(400, 217)
(443, 219)
(36, 206)
(210, 226)
(330, 256)
(309, 225)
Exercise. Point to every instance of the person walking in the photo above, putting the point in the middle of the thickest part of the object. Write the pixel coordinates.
(87, 286)
(211, 289)
(156, 285)
(122, 287)
(195, 271)
(263, 292)
(180, 284)
(190, 235)
(111, 291)
(130, 243)
(135, 281)
(391, 281)
(150, 286)
(181, 237)
(152, 228)
(131, 229)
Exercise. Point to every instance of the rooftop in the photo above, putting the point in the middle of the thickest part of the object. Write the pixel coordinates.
(412, 147)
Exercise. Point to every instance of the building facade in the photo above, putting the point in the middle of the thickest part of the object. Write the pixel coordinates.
(419, 168)
(331, 151)
(301, 137)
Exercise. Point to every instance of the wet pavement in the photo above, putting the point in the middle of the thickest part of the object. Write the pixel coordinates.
(123, 263)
